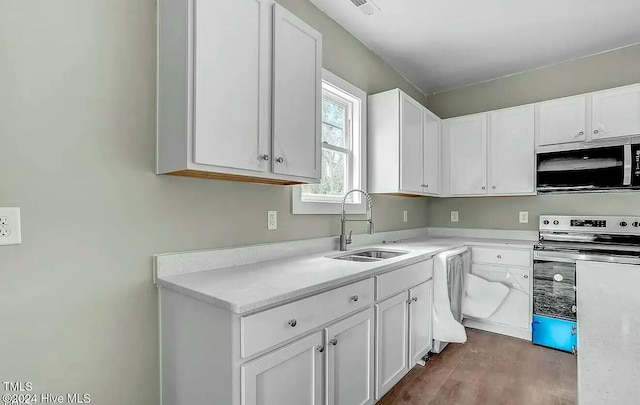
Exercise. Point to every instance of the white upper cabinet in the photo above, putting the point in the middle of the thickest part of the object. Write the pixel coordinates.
(404, 145)
(562, 121)
(230, 129)
(297, 96)
(512, 151)
(239, 92)
(411, 155)
(616, 112)
(468, 155)
(431, 152)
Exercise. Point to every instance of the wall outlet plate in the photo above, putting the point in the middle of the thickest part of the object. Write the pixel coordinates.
(272, 220)
(454, 216)
(404, 216)
(524, 217)
(10, 227)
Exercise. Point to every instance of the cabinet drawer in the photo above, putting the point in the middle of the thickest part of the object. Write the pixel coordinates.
(403, 279)
(266, 329)
(501, 256)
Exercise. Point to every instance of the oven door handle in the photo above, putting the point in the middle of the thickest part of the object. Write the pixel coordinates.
(628, 166)
(561, 257)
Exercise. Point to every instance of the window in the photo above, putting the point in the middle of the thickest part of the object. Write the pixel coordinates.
(343, 151)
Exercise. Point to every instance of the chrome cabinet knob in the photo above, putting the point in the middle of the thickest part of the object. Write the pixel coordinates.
(354, 298)
(280, 159)
(265, 157)
(333, 341)
(414, 299)
(426, 185)
(493, 187)
(526, 276)
(293, 323)
(499, 256)
(581, 133)
(320, 348)
(483, 187)
(595, 131)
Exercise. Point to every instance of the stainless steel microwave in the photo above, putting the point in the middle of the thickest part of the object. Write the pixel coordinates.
(593, 169)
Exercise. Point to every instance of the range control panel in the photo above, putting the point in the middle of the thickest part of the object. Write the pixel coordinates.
(591, 224)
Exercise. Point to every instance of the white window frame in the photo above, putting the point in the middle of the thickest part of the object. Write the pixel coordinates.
(358, 161)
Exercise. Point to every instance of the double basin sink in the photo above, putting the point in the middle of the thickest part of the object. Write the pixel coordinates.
(371, 255)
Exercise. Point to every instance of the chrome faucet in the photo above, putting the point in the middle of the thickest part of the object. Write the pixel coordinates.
(344, 240)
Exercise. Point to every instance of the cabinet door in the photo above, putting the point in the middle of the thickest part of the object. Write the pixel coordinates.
(431, 153)
(616, 112)
(515, 310)
(468, 155)
(410, 144)
(231, 127)
(512, 151)
(292, 375)
(392, 340)
(562, 121)
(297, 96)
(420, 313)
(350, 363)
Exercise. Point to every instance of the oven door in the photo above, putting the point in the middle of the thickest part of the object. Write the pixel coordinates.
(554, 292)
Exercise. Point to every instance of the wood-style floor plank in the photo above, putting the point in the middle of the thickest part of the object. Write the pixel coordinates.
(490, 369)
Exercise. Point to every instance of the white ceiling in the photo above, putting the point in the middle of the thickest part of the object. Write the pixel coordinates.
(443, 44)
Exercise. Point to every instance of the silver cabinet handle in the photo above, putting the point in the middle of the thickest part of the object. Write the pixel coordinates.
(334, 341)
(354, 298)
(280, 159)
(293, 323)
(526, 276)
(595, 131)
(414, 299)
(320, 348)
(499, 256)
(265, 157)
(580, 133)
(483, 187)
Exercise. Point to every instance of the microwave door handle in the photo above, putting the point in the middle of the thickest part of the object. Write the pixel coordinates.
(628, 166)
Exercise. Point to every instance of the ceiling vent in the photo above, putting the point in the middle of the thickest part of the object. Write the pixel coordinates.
(368, 7)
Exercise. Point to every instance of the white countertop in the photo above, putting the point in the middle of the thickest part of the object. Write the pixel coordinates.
(251, 287)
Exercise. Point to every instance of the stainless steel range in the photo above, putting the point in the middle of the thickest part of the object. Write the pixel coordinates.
(563, 240)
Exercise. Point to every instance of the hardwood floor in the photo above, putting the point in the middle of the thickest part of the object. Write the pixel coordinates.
(490, 369)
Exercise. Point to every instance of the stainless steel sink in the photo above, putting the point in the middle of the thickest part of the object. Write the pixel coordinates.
(379, 254)
(370, 255)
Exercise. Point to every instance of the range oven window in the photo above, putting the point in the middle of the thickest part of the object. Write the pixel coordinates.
(553, 289)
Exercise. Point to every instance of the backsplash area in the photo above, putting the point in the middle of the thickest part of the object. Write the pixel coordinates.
(502, 212)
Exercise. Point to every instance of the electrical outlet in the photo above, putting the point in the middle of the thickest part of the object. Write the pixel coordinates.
(524, 217)
(404, 216)
(10, 229)
(272, 220)
(454, 216)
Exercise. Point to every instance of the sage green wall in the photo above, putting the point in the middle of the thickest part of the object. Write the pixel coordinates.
(610, 69)
(77, 142)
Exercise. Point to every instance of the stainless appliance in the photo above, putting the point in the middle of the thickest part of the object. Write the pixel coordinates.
(592, 169)
(563, 240)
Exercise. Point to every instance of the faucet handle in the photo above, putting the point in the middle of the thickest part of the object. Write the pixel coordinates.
(349, 238)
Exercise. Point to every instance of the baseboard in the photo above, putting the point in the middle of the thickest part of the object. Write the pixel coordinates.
(520, 333)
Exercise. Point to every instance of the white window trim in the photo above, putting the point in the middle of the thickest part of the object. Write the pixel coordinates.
(335, 207)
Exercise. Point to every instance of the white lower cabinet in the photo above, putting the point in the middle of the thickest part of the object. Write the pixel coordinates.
(350, 360)
(403, 334)
(421, 336)
(392, 340)
(292, 375)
